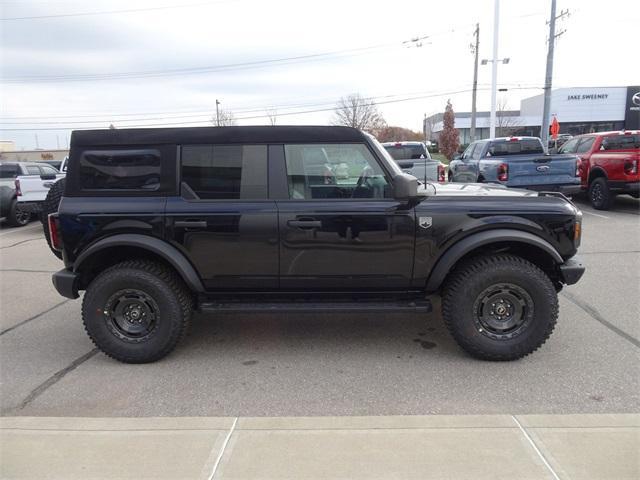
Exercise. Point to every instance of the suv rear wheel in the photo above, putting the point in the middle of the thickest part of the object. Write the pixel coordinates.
(136, 311)
(499, 307)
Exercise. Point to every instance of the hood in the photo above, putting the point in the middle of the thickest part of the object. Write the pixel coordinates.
(475, 190)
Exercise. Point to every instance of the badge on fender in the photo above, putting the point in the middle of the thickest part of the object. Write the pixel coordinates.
(425, 222)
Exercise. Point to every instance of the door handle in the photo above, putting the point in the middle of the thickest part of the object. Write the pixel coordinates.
(190, 223)
(305, 224)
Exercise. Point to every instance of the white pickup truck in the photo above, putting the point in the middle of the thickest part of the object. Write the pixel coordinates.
(31, 190)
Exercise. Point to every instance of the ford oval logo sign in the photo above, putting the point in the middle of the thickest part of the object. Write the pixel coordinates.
(636, 99)
(543, 168)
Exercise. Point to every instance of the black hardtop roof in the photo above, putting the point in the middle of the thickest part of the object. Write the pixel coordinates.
(217, 135)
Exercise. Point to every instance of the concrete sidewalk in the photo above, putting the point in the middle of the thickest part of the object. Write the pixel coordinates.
(410, 447)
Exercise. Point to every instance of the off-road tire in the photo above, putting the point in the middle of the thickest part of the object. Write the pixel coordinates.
(464, 288)
(600, 197)
(166, 291)
(15, 218)
(50, 205)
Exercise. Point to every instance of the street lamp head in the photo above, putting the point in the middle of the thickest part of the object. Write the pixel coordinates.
(484, 61)
(505, 60)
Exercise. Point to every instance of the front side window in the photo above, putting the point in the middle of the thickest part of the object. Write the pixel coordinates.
(33, 170)
(317, 171)
(48, 170)
(120, 170)
(585, 145)
(225, 172)
(468, 152)
(570, 146)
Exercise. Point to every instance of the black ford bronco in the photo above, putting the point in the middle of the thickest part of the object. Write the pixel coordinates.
(157, 223)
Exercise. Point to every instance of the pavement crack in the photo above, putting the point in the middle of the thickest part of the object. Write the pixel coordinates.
(20, 243)
(55, 378)
(593, 313)
(7, 330)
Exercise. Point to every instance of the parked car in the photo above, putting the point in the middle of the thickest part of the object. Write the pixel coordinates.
(556, 143)
(157, 223)
(32, 188)
(414, 158)
(517, 162)
(608, 165)
(12, 211)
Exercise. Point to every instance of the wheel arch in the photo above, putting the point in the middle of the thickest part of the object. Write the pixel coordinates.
(596, 172)
(525, 244)
(114, 249)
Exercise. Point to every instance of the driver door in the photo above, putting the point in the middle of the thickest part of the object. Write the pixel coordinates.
(341, 228)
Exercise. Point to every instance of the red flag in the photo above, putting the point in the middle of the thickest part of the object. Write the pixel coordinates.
(555, 128)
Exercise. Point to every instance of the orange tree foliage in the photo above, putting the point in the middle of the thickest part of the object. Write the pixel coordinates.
(398, 134)
(449, 139)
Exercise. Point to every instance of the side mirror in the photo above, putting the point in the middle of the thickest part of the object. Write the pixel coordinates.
(48, 176)
(457, 156)
(405, 186)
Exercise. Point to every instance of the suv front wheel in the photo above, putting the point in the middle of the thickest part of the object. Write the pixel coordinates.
(499, 307)
(136, 311)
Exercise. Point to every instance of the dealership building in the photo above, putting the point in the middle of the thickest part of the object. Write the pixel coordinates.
(579, 110)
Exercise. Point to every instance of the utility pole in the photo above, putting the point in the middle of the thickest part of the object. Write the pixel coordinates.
(217, 113)
(474, 49)
(494, 72)
(37, 144)
(548, 78)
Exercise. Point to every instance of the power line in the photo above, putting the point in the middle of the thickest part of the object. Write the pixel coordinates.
(301, 112)
(112, 12)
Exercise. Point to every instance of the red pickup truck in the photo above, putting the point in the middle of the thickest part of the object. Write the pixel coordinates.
(608, 164)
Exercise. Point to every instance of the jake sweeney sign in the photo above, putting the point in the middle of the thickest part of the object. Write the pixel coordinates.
(589, 96)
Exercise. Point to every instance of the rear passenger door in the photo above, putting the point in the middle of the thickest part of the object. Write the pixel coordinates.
(223, 219)
(340, 228)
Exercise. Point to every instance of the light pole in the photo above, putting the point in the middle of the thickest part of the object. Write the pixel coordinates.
(217, 113)
(494, 61)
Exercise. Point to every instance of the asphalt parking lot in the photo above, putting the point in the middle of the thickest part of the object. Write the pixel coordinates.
(299, 365)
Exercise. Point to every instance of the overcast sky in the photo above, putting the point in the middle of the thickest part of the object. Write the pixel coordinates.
(138, 62)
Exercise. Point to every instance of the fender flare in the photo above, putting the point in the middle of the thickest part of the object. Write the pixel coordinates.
(166, 251)
(601, 172)
(458, 250)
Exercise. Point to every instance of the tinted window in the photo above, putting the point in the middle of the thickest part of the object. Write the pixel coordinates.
(468, 151)
(585, 145)
(407, 152)
(477, 151)
(48, 170)
(8, 171)
(120, 170)
(620, 142)
(225, 171)
(334, 171)
(33, 170)
(570, 146)
(515, 147)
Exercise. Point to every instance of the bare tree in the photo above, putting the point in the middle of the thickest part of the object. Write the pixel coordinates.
(272, 114)
(225, 118)
(358, 112)
(506, 124)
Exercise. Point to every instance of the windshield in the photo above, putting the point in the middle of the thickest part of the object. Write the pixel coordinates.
(393, 166)
(406, 152)
(8, 171)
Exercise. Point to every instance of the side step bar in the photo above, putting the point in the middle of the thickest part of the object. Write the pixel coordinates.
(406, 306)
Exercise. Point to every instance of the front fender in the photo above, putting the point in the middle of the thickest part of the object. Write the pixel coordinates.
(446, 262)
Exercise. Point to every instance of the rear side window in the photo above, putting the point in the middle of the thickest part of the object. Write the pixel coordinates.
(8, 171)
(137, 170)
(515, 147)
(620, 142)
(225, 172)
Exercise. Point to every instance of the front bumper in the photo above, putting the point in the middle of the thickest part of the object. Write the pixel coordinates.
(624, 187)
(65, 282)
(572, 270)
